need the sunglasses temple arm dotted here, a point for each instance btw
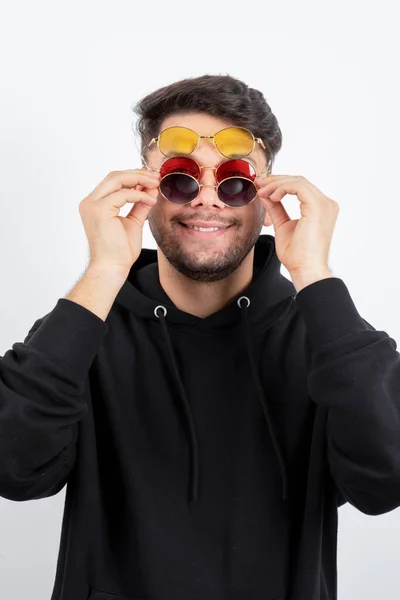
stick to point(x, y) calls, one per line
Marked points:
point(144, 163)
point(144, 148)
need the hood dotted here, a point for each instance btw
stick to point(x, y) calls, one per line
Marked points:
point(260, 302)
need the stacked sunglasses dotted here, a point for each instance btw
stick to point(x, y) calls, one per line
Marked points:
point(180, 174)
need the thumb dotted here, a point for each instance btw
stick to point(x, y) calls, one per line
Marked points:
point(276, 211)
point(139, 213)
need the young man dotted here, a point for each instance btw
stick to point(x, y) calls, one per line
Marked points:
point(208, 415)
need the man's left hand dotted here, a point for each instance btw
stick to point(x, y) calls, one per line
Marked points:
point(302, 245)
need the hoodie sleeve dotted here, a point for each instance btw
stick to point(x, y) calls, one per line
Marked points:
point(42, 399)
point(354, 373)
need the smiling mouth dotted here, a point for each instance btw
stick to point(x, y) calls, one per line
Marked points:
point(206, 229)
point(204, 233)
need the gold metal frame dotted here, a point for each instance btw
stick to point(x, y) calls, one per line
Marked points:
point(263, 174)
point(206, 137)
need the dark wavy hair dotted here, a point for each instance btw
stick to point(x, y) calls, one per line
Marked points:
point(221, 96)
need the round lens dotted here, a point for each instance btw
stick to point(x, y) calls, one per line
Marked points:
point(234, 142)
point(236, 168)
point(179, 183)
point(236, 191)
point(236, 179)
point(179, 188)
point(175, 141)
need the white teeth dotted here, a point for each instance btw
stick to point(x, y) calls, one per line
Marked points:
point(204, 228)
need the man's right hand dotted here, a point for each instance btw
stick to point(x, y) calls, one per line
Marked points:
point(115, 242)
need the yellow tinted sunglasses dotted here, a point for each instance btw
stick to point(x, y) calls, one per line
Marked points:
point(232, 142)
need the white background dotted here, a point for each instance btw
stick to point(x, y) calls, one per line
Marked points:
point(70, 73)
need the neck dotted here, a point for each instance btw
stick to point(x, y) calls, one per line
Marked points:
point(199, 298)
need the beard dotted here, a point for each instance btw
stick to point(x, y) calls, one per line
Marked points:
point(202, 261)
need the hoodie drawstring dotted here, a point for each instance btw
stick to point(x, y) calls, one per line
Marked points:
point(194, 455)
point(194, 477)
point(268, 419)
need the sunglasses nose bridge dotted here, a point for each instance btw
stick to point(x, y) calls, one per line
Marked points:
point(207, 198)
point(204, 168)
point(213, 169)
point(212, 139)
point(207, 185)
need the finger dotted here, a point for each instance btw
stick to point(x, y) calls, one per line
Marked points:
point(263, 181)
point(305, 193)
point(140, 187)
point(154, 175)
point(117, 180)
point(118, 199)
point(138, 213)
point(276, 211)
point(268, 187)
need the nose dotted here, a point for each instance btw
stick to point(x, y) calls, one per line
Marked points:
point(208, 195)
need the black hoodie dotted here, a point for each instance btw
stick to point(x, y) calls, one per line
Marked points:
point(205, 459)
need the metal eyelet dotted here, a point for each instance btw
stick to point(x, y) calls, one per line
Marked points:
point(160, 306)
point(246, 298)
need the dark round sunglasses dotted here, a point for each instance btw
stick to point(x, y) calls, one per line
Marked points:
point(235, 181)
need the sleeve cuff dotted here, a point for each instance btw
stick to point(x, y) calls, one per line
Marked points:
point(328, 310)
point(71, 336)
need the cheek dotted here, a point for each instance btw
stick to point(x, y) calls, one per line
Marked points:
point(260, 208)
point(155, 193)
point(160, 214)
point(251, 215)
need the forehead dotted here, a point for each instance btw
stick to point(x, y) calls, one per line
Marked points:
point(204, 124)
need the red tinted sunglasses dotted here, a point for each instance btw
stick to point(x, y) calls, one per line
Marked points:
point(235, 181)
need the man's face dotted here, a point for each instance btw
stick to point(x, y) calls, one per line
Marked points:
point(205, 257)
